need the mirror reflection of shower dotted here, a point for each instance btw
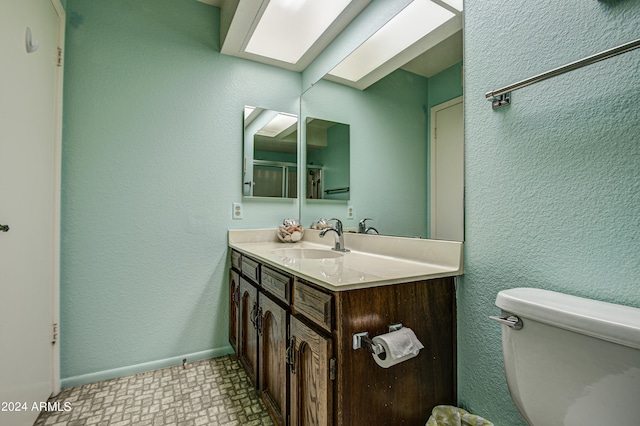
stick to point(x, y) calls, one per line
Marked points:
point(315, 182)
point(270, 167)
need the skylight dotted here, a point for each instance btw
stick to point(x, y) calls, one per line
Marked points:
point(292, 34)
point(409, 26)
point(296, 24)
point(277, 125)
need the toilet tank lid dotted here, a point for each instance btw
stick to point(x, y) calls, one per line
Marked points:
point(615, 323)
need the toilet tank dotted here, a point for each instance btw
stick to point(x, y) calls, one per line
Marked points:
point(574, 362)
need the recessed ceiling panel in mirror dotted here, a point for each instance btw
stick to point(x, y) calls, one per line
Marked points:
point(408, 27)
point(328, 159)
point(270, 166)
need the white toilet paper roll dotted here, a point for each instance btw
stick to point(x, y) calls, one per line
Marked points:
point(398, 346)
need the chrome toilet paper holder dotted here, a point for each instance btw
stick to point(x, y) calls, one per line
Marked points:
point(362, 340)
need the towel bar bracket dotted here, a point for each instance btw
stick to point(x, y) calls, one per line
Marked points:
point(500, 101)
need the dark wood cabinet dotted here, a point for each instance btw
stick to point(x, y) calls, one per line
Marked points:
point(234, 305)
point(248, 344)
point(310, 377)
point(295, 337)
point(258, 329)
point(234, 299)
point(403, 394)
point(273, 357)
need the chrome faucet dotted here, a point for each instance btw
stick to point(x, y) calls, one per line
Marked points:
point(339, 245)
point(362, 227)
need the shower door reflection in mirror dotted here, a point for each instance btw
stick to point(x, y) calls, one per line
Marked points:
point(270, 153)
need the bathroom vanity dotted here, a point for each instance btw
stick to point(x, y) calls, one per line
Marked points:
point(294, 312)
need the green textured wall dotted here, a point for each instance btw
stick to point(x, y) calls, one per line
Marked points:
point(152, 151)
point(552, 197)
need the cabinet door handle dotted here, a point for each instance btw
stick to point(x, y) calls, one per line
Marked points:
point(259, 322)
point(4, 228)
point(236, 296)
point(252, 315)
point(291, 354)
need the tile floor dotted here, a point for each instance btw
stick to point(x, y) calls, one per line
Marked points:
point(211, 392)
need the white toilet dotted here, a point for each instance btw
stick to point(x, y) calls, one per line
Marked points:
point(570, 361)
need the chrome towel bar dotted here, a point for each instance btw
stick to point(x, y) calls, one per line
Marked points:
point(502, 97)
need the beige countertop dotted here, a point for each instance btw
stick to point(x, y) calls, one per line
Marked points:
point(374, 260)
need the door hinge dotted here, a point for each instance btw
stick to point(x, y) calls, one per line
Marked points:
point(54, 333)
point(59, 57)
point(332, 369)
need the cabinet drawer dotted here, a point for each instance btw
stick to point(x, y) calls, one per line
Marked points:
point(236, 260)
point(250, 269)
point(313, 303)
point(275, 283)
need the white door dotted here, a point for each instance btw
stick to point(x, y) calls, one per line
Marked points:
point(447, 171)
point(29, 88)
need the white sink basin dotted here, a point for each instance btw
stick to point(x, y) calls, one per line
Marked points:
point(306, 253)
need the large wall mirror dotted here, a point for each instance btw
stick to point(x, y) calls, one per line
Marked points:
point(393, 155)
point(270, 165)
point(365, 147)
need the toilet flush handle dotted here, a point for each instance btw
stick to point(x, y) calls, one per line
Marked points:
point(510, 321)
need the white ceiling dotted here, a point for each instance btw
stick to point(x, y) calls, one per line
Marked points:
point(428, 56)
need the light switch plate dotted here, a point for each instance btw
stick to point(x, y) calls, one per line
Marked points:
point(237, 211)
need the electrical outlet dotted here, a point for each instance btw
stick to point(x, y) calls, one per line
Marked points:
point(350, 212)
point(237, 211)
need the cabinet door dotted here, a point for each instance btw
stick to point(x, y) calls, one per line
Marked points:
point(311, 398)
point(248, 353)
point(273, 357)
point(234, 308)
